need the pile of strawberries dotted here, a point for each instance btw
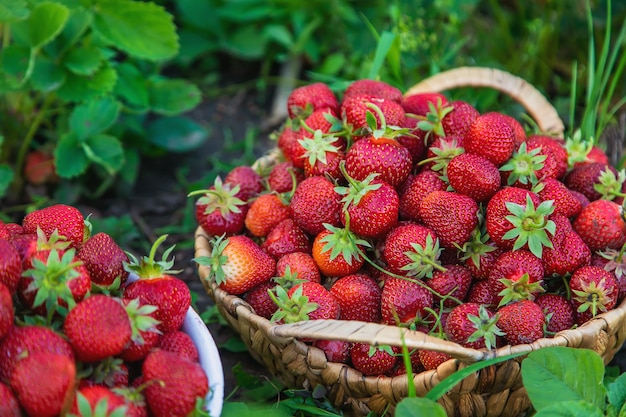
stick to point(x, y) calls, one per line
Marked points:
point(80, 335)
point(422, 212)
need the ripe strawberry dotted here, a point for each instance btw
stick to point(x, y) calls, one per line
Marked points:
point(13, 229)
point(97, 327)
point(6, 311)
point(595, 180)
point(4, 231)
point(145, 334)
point(265, 212)
point(260, 300)
point(359, 297)
point(592, 154)
point(601, 225)
point(568, 253)
point(418, 104)
point(479, 254)
point(337, 351)
point(404, 301)
point(594, 291)
point(43, 383)
point(39, 168)
point(314, 203)
point(431, 359)
point(457, 121)
point(173, 384)
point(284, 176)
point(157, 286)
point(337, 251)
point(98, 397)
point(490, 135)
point(516, 275)
point(373, 88)
point(527, 166)
point(565, 203)
point(411, 249)
point(104, 259)
point(454, 282)
point(518, 130)
point(249, 181)
point(474, 176)
point(25, 244)
point(305, 301)
point(322, 155)
point(370, 206)
point(373, 360)
point(559, 312)
point(180, 343)
point(220, 210)
point(440, 152)
point(67, 220)
point(414, 140)
point(9, 406)
point(287, 142)
point(286, 237)
point(472, 325)
point(10, 265)
point(480, 293)
point(303, 100)
point(414, 189)
point(300, 264)
point(238, 264)
point(22, 341)
point(452, 216)
point(522, 322)
point(551, 146)
point(355, 108)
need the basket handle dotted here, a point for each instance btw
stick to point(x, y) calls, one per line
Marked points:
point(534, 102)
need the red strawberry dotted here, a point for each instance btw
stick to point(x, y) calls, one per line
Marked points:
point(300, 264)
point(354, 110)
point(4, 231)
point(601, 225)
point(249, 181)
point(305, 301)
point(372, 360)
point(440, 152)
point(479, 254)
point(431, 359)
point(559, 312)
point(6, 311)
point(595, 180)
point(414, 140)
point(474, 176)
point(411, 249)
point(145, 335)
point(9, 406)
point(490, 135)
point(373, 88)
point(157, 286)
point(404, 301)
point(452, 216)
point(551, 146)
point(10, 265)
point(180, 343)
point(220, 210)
point(94, 397)
point(522, 322)
point(414, 189)
point(173, 384)
point(39, 168)
point(518, 129)
point(67, 220)
point(14, 229)
point(594, 291)
point(314, 203)
point(336, 251)
point(337, 351)
point(265, 212)
point(480, 292)
point(260, 300)
point(97, 327)
point(565, 203)
point(418, 104)
point(283, 177)
point(25, 244)
point(43, 383)
point(528, 165)
point(238, 264)
point(286, 237)
point(457, 121)
point(359, 297)
point(288, 143)
point(27, 340)
point(305, 99)
point(594, 154)
point(472, 325)
point(516, 275)
point(568, 253)
point(454, 281)
point(104, 259)
point(322, 156)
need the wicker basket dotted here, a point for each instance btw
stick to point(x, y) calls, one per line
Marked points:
point(494, 391)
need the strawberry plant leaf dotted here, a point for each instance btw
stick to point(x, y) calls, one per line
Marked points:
point(69, 158)
point(547, 375)
point(76, 25)
point(6, 178)
point(131, 87)
point(94, 116)
point(418, 406)
point(616, 392)
point(80, 88)
point(84, 60)
point(45, 22)
point(47, 76)
point(571, 409)
point(15, 59)
point(176, 134)
point(105, 150)
point(141, 29)
point(13, 10)
point(172, 97)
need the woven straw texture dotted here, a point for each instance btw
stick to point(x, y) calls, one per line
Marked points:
point(494, 391)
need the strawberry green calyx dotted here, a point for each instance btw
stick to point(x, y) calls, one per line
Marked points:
point(577, 148)
point(315, 148)
point(524, 165)
point(291, 309)
point(106, 371)
point(486, 327)
point(424, 259)
point(222, 197)
point(148, 267)
point(519, 289)
point(344, 242)
point(444, 153)
point(431, 123)
point(99, 410)
point(355, 190)
point(530, 225)
point(593, 297)
point(216, 260)
point(610, 185)
point(141, 319)
point(616, 261)
point(476, 246)
point(55, 241)
point(383, 131)
point(289, 279)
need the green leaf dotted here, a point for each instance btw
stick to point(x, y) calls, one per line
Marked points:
point(6, 178)
point(45, 22)
point(246, 43)
point(570, 409)
point(94, 116)
point(417, 406)
point(199, 14)
point(617, 392)
point(105, 150)
point(172, 97)
point(176, 134)
point(193, 45)
point(47, 76)
point(15, 60)
point(130, 170)
point(142, 29)
point(83, 60)
point(131, 87)
point(81, 88)
point(234, 344)
point(385, 43)
point(13, 10)
point(69, 158)
point(279, 34)
point(76, 25)
point(555, 373)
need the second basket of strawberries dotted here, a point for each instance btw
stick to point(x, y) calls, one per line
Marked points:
point(382, 219)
